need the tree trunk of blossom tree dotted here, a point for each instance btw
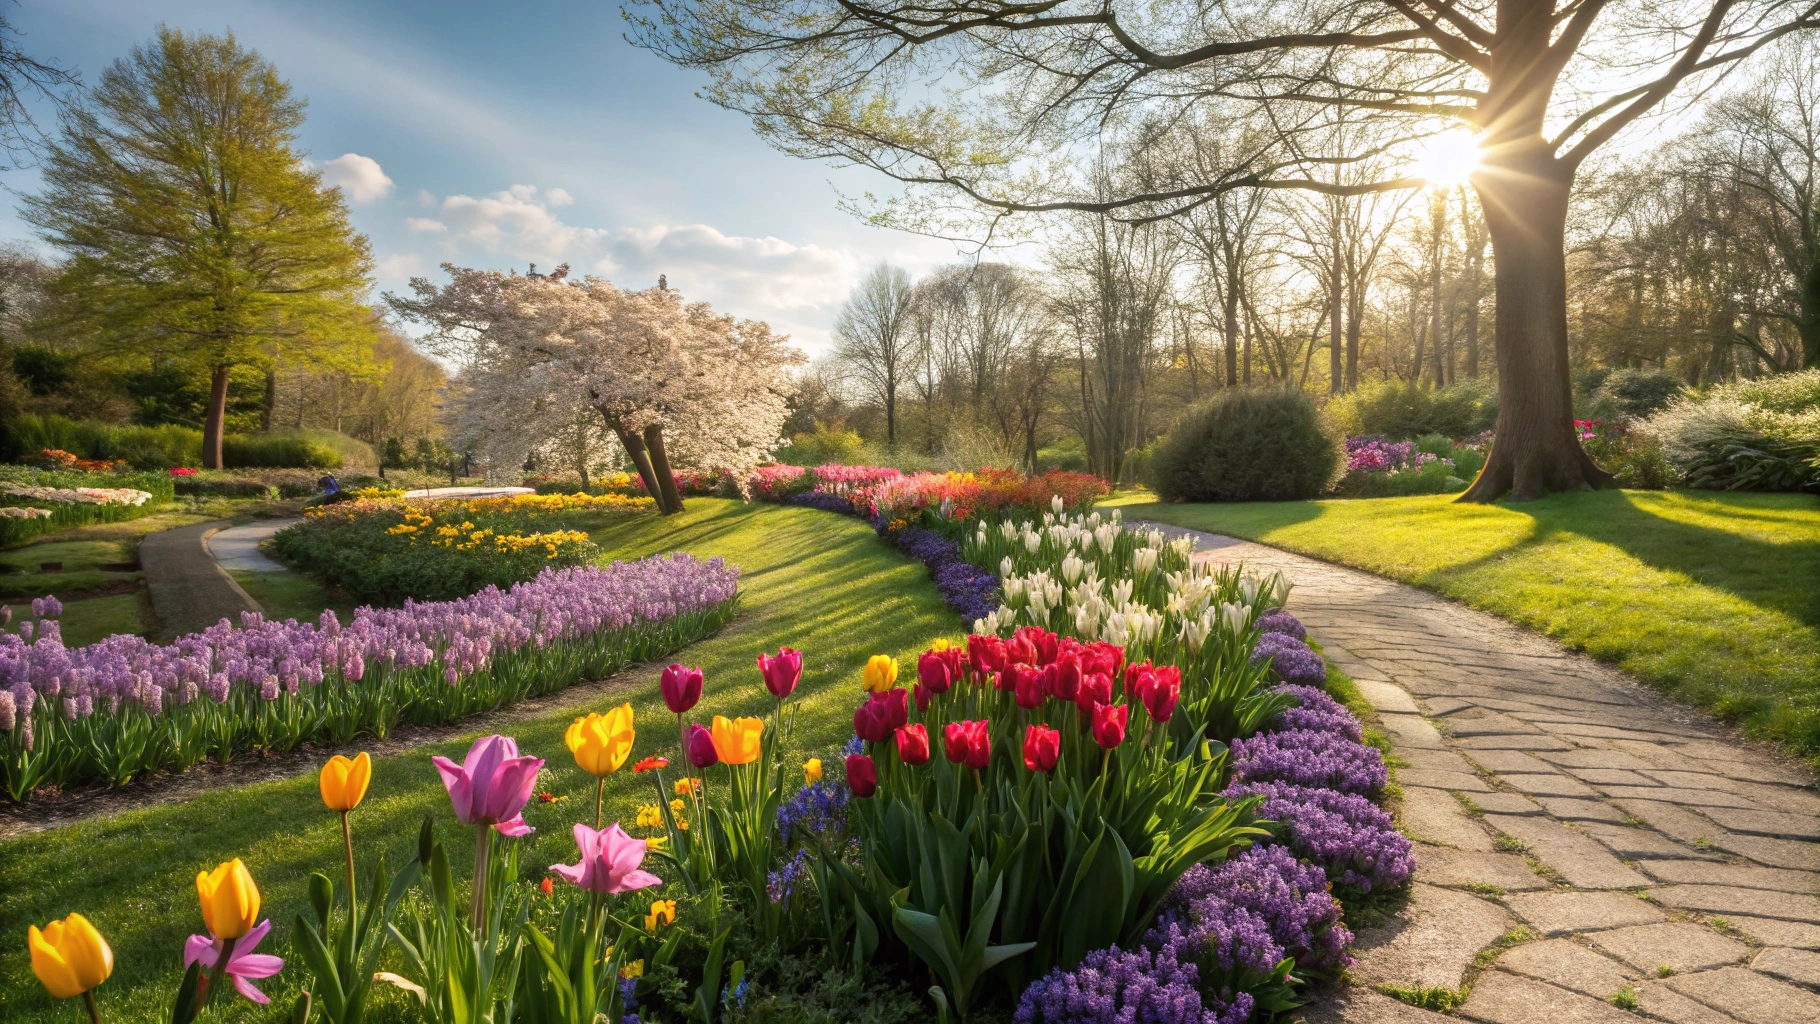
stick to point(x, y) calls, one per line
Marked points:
point(641, 461)
point(214, 424)
point(660, 464)
point(1535, 450)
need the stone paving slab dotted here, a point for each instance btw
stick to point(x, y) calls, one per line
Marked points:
point(1657, 836)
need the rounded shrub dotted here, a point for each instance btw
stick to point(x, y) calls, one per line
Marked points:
point(1247, 446)
point(1631, 394)
point(1401, 410)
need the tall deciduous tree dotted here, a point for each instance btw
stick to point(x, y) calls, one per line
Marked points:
point(193, 226)
point(1542, 83)
point(873, 338)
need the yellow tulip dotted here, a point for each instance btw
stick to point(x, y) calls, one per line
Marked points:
point(812, 771)
point(344, 782)
point(942, 643)
point(635, 969)
point(71, 957)
point(737, 742)
point(601, 743)
point(684, 787)
point(230, 900)
point(881, 673)
point(662, 912)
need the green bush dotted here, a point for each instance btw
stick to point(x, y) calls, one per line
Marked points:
point(823, 445)
point(211, 486)
point(1629, 394)
point(161, 447)
point(282, 451)
point(1247, 446)
point(1761, 435)
point(1400, 410)
point(1433, 478)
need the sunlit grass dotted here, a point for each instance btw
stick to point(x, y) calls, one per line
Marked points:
point(1715, 597)
point(817, 582)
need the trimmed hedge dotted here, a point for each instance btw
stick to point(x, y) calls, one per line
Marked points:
point(169, 446)
point(1247, 446)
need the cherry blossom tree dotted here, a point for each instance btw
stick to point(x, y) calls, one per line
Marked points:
point(676, 383)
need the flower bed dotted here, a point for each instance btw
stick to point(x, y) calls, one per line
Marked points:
point(125, 706)
point(388, 548)
point(1377, 468)
point(34, 502)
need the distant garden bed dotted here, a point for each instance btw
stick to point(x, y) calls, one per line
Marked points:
point(35, 502)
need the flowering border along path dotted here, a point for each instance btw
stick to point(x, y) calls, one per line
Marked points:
point(1588, 851)
point(1237, 941)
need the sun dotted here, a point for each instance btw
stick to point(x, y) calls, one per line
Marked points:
point(1448, 159)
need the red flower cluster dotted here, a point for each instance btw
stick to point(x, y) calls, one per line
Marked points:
point(1024, 677)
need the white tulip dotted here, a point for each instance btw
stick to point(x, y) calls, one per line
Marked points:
point(1056, 503)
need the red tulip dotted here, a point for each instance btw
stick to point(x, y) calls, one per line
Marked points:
point(700, 748)
point(934, 671)
point(923, 696)
point(1158, 691)
point(862, 775)
point(968, 743)
point(1042, 748)
point(870, 722)
point(895, 706)
point(1096, 689)
point(1101, 656)
point(1020, 651)
point(1067, 682)
point(1044, 645)
point(986, 654)
point(682, 688)
point(1109, 724)
point(913, 744)
point(1028, 683)
point(782, 671)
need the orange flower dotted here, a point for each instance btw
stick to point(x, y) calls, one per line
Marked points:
point(737, 741)
point(650, 763)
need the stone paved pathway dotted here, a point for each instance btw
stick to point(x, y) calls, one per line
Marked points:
point(237, 547)
point(1584, 844)
point(189, 590)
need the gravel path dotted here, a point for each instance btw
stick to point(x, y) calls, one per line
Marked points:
point(1661, 866)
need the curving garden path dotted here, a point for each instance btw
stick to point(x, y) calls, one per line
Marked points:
point(1588, 851)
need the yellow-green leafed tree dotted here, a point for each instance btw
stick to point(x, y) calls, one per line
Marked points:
point(194, 229)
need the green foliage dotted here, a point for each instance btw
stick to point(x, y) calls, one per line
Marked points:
point(216, 244)
point(1247, 446)
point(1761, 435)
point(1631, 394)
point(42, 370)
point(161, 447)
point(823, 445)
point(1401, 410)
point(1433, 478)
point(283, 451)
point(219, 485)
point(65, 516)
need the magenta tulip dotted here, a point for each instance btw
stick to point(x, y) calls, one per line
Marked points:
point(609, 861)
point(700, 748)
point(681, 687)
point(862, 775)
point(492, 785)
point(243, 964)
point(781, 671)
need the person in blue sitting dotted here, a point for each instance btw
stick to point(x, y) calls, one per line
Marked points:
point(331, 492)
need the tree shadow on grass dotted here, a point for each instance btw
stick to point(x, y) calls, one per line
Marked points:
point(1779, 576)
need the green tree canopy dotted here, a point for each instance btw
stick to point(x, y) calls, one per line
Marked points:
point(195, 230)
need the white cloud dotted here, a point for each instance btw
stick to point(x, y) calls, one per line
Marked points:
point(400, 265)
point(558, 197)
point(425, 198)
point(360, 177)
point(425, 224)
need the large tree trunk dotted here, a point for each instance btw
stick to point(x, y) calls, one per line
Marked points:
point(215, 421)
point(660, 464)
point(1535, 451)
point(641, 461)
point(1809, 324)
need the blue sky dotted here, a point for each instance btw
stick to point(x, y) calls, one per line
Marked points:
point(496, 135)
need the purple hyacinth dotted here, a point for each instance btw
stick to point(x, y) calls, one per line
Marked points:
point(1351, 838)
point(1281, 621)
point(1304, 757)
point(1290, 659)
point(822, 500)
point(1317, 712)
point(819, 809)
point(1112, 986)
point(1291, 897)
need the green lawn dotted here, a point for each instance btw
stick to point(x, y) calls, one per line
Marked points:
point(1714, 597)
point(818, 582)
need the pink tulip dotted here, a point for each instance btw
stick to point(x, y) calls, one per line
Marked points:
point(492, 785)
point(681, 687)
point(609, 862)
point(781, 671)
point(242, 964)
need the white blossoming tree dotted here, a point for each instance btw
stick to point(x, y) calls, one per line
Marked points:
point(675, 383)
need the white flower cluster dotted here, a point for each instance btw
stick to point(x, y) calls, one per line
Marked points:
point(24, 512)
point(1097, 579)
point(78, 495)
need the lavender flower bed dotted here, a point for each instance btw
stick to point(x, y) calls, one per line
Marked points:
point(822, 500)
point(1235, 940)
point(1307, 757)
point(125, 706)
point(1291, 660)
point(966, 587)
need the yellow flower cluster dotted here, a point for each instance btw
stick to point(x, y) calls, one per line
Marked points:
point(547, 504)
